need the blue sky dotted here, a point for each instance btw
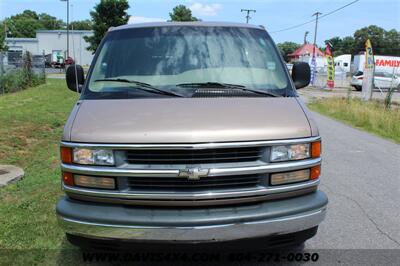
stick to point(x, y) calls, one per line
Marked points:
point(273, 14)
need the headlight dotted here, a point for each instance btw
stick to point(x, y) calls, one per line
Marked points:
point(95, 157)
point(290, 152)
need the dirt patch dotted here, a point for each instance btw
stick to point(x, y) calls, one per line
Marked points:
point(20, 139)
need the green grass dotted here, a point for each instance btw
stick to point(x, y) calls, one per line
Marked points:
point(368, 116)
point(31, 124)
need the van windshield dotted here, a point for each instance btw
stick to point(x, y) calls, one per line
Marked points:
point(141, 62)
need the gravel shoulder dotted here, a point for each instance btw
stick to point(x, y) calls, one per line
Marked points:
point(313, 92)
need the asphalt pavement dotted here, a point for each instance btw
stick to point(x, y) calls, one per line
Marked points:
point(361, 176)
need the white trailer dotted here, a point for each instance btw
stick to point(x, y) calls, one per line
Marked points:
point(343, 63)
point(383, 64)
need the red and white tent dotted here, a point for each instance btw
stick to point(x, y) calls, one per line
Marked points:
point(305, 50)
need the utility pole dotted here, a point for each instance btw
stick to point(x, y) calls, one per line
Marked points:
point(313, 62)
point(316, 14)
point(67, 26)
point(248, 13)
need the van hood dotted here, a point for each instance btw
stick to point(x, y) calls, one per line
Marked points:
point(187, 120)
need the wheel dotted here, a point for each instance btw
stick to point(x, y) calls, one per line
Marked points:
point(358, 88)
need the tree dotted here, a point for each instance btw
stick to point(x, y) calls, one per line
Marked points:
point(25, 24)
point(336, 44)
point(106, 14)
point(2, 36)
point(49, 22)
point(342, 46)
point(375, 34)
point(287, 48)
point(81, 25)
point(182, 13)
point(392, 42)
point(348, 45)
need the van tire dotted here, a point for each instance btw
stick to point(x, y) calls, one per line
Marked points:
point(358, 88)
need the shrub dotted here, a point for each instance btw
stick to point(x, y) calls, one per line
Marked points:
point(22, 78)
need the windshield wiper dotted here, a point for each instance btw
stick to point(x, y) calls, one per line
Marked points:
point(263, 92)
point(227, 86)
point(211, 85)
point(142, 86)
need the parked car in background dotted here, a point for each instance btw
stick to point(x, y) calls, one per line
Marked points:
point(69, 61)
point(382, 80)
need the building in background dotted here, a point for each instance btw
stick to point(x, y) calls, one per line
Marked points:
point(54, 42)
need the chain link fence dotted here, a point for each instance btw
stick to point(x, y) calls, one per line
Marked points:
point(342, 80)
point(20, 70)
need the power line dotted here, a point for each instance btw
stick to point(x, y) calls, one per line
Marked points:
point(313, 20)
point(293, 27)
point(340, 8)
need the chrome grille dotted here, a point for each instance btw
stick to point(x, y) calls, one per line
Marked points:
point(165, 174)
point(202, 156)
point(179, 183)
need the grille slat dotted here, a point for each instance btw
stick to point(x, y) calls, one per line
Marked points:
point(241, 154)
point(204, 179)
point(183, 183)
point(185, 153)
point(193, 185)
point(192, 159)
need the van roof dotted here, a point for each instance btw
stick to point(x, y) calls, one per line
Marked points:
point(196, 23)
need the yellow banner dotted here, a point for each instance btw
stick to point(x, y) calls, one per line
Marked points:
point(369, 55)
point(330, 69)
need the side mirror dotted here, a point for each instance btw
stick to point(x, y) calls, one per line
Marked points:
point(301, 74)
point(75, 78)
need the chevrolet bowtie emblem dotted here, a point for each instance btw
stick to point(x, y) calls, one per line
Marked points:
point(193, 173)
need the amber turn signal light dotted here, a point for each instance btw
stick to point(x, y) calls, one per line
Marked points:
point(68, 178)
point(316, 149)
point(66, 155)
point(315, 172)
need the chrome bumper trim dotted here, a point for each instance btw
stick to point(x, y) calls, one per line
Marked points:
point(223, 232)
point(158, 195)
point(190, 203)
point(122, 171)
point(190, 146)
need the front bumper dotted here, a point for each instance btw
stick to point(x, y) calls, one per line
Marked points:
point(119, 222)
